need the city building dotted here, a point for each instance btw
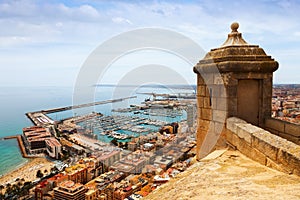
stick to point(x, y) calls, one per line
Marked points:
point(34, 138)
point(77, 173)
point(53, 147)
point(69, 190)
point(47, 185)
point(107, 157)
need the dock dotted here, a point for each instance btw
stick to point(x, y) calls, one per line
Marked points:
point(54, 110)
point(21, 145)
point(40, 118)
point(10, 137)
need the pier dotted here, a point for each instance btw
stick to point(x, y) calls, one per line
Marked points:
point(10, 137)
point(21, 145)
point(54, 110)
point(39, 118)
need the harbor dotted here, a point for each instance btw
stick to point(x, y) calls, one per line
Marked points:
point(125, 124)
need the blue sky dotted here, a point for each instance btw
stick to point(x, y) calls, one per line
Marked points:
point(46, 42)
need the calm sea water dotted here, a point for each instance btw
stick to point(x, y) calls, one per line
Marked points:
point(16, 101)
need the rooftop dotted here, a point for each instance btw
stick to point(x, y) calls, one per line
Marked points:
point(230, 176)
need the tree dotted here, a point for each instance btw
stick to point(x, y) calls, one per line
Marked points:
point(2, 187)
point(39, 174)
point(8, 188)
point(114, 142)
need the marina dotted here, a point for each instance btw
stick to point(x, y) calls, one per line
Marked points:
point(119, 127)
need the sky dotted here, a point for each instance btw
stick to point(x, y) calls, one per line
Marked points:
point(45, 43)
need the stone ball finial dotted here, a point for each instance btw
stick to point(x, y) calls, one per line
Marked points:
point(234, 26)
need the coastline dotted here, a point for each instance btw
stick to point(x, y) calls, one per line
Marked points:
point(27, 170)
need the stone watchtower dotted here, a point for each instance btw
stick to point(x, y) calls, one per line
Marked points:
point(233, 80)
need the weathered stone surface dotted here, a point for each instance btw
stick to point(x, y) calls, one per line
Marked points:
point(235, 140)
point(290, 160)
point(229, 136)
point(223, 91)
point(232, 106)
point(292, 129)
point(201, 90)
point(275, 124)
point(232, 122)
point(221, 103)
point(218, 80)
point(245, 131)
point(207, 102)
point(231, 91)
point(219, 116)
point(267, 143)
point(250, 152)
point(200, 101)
point(242, 132)
point(200, 80)
point(219, 127)
point(289, 137)
point(203, 124)
point(279, 167)
point(296, 171)
point(206, 113)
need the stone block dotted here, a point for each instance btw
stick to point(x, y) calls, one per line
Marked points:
point(223, 91)
point(231, 91)
point(232, 122)
point(290, 158)
point(235, 140)
point(296, 172)
point(207, 102)
point(218, 79)
point(275, 124)
point(208, 78)
point(250, 152)
point(221, 103)
point(267, 143)
point(229, 137)
point(243, 132)
point(232, 106)
point(289, 137)
point(219, 116)
point(203, 124)
point(200, 80)
point(292, 129)
point(200, 101)
point(201, 90)
point(219, 127)
point(215, 89)
point(206, 114)
point(279, 167)
point(214, 103)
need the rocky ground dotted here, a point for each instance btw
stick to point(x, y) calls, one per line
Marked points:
point(230, 176)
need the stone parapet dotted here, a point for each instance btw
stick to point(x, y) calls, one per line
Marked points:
point(262, 146)
point(283, 129)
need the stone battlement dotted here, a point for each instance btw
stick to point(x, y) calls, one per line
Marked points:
point(283, 129)
point(262, 146)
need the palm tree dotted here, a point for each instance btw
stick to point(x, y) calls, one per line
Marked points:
point(8, 188)
point(1, 188)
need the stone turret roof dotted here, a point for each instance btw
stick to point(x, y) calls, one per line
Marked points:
point(236, 55)
point(234, 38)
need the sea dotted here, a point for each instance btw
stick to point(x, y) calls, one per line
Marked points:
point(16, 101)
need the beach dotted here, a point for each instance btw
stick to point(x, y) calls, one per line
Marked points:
point(28, 171)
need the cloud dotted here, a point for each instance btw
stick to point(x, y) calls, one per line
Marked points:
point(121, 20)
point(63, 26)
